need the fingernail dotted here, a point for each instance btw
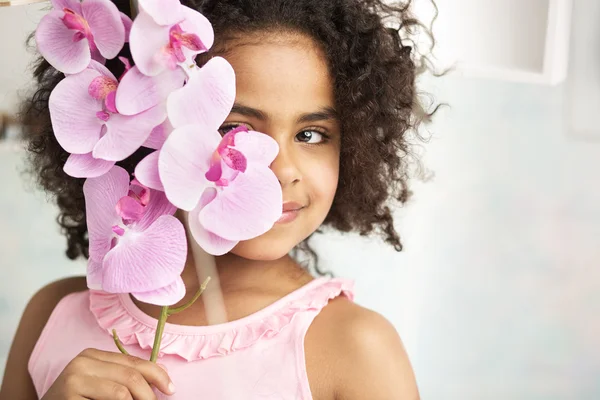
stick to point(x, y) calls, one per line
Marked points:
point(171, 387)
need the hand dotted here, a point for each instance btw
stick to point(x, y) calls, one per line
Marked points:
point(102, 375)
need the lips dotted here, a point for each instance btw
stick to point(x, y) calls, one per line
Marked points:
point(290, 212)
point(292, 206)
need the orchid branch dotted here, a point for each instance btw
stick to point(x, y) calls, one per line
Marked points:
point(118, 343)
point(165, 312)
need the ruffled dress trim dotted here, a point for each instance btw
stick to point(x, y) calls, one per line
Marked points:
point(119, 312)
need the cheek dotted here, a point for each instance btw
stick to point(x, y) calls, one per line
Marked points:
point(324, 180)
point(327, 184)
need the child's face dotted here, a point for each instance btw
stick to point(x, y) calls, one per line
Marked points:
point(285, 91)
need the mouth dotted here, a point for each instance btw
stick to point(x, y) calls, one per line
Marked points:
point(290, 212)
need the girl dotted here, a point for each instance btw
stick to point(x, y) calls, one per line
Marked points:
point(336, 89)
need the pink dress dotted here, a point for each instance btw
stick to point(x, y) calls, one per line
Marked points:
point(260, 356)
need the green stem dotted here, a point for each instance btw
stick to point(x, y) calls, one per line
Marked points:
point(165, 312)
point(159, 331)
point(118, 343)
point(176, 310)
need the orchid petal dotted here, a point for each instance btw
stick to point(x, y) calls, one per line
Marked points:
point(86, 166)
point(74, 5)
point(247, 208)
point(165, 296)
point(101, 68)
point(101, 86)
point(163, 12)
point(73, 113)
point(148, 260)
point(197, 24)
point(129, 209)
point(207, 98)
point(146, 41)
point(101, 196)
point(257, 147)
point(126, 134)
point(184, 160)
point(94, 274)
point(147, 172)
point(157, 207)
point(138, 92)
point(210, 242)
point(126, 24)
point(106, 26)
point(55, 43)
point(159, 134)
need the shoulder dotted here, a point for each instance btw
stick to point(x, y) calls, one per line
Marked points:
point(368, 357)
point(35, 316)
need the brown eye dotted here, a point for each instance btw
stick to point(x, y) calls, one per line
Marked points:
point(310, 137)
point(231, 126)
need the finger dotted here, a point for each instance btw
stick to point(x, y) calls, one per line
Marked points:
point(93, 387)
point(130, 378)
point(151, 372)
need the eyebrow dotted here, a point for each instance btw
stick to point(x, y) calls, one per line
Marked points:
point(323, 114)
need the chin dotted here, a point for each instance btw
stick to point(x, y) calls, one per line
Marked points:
point(268, 247)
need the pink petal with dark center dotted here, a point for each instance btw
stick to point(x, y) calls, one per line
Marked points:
point(197, 24)
point(234, 159)
point(148, 261)
point(247, 208)
point(73, 113)
point(55, 42)
point(157, 207)
point(165, 296)
point(86, 166)
point(207, 98)
point(106, 25)
point(126, 134)
point(101, 196)
point(184, 160)
point(129, 209)
point(209, 242)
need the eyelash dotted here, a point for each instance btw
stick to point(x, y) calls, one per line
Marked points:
point(227, 127)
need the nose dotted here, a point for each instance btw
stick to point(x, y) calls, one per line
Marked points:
point(285, 168)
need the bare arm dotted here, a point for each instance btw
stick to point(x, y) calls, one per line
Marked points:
point(17, 383)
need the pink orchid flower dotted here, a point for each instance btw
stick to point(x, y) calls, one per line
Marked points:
point(225, 183)
point(137, 246)
point(87, 123)
point(164, 41)
point(205, 100)
point(75, 32)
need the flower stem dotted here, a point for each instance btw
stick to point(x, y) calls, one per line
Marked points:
point(159, 331)
point(176, 310)
point(118, 343)
point(165, 312)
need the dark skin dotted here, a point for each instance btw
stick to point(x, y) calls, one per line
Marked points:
point(351, 352)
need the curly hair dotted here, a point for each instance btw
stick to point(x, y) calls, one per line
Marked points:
point(379, 106)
